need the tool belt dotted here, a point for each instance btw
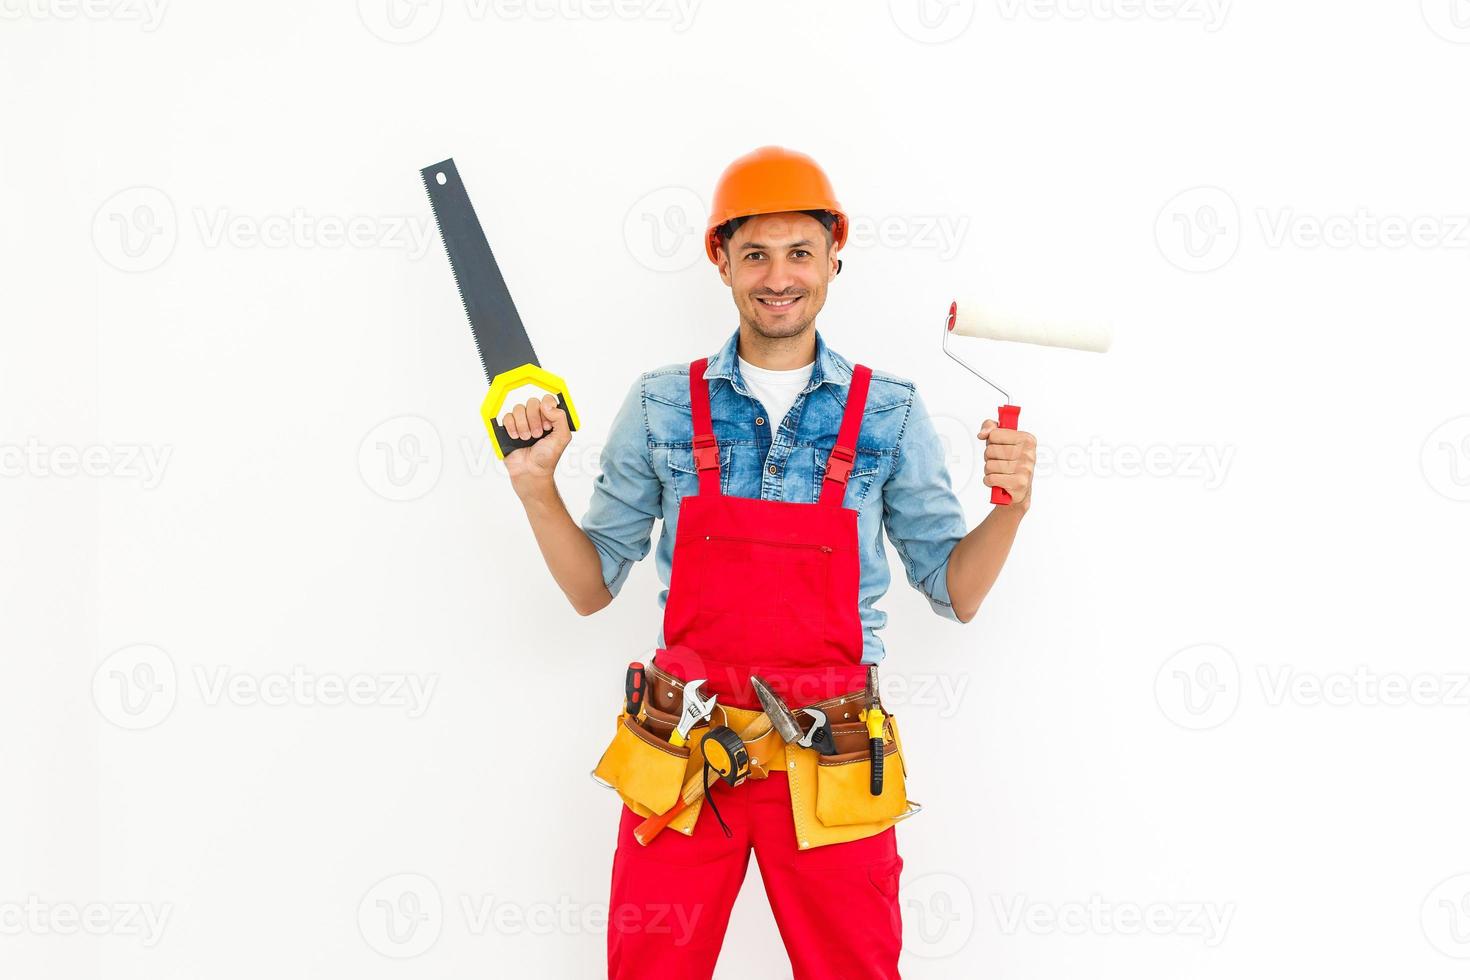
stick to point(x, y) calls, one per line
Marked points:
point(831, 798)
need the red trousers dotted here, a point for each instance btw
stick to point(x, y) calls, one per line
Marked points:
point(836, 906)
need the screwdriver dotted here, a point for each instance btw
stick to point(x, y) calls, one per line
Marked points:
point(633, 689)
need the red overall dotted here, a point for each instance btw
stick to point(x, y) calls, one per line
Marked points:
point(770, 588)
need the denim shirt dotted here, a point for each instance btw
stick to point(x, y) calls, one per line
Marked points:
point(899, 480)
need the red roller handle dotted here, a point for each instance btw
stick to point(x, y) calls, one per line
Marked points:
point(1009, 416)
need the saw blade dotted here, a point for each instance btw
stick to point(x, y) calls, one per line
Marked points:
point(500, 337)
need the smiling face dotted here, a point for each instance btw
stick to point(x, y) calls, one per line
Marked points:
point(778, 266)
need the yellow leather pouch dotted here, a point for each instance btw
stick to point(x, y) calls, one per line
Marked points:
point(844, 792)
point(643, 768)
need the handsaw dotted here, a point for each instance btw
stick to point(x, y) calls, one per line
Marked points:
point(500, 337)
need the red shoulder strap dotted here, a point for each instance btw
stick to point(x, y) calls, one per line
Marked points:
point(839, 462)
point(706, 450)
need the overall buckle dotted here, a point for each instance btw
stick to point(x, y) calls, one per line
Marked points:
point(706, 452)
point(839, 464)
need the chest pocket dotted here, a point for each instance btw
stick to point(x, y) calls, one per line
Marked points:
point(683, 478)
point(864, 474)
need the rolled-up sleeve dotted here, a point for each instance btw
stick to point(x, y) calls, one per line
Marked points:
point(625, 495)
point(921, 513)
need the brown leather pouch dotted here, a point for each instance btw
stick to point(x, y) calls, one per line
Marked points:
point(660, 723)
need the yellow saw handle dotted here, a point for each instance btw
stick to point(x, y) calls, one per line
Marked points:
point(507, 381)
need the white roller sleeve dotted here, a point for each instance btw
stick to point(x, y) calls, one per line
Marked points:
point(974, 319)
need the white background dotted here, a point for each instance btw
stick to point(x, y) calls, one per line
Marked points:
point(1220, 687)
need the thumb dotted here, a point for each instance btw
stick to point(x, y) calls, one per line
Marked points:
point(555, 415)
point(986, 426)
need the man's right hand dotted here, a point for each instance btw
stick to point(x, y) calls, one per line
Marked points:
point(532, 468)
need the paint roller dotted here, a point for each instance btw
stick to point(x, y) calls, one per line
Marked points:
point(972, 319)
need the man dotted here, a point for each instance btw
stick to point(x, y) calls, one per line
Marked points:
point(775, 465)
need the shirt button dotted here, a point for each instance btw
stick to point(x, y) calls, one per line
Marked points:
point(771, 469)
point(759, 420)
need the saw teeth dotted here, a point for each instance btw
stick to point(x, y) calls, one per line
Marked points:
point(434, 209)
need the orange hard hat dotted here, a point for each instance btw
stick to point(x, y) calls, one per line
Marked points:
point(769, 180)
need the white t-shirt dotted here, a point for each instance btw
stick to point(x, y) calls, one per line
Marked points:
point(776, 390)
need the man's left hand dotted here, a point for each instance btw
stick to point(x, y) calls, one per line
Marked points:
point(1010, 461)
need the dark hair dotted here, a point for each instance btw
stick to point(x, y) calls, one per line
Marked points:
point(727, 230)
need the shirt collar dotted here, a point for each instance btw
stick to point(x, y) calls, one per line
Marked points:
point(830, 367)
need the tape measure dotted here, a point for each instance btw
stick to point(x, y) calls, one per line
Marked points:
point(725, 753)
